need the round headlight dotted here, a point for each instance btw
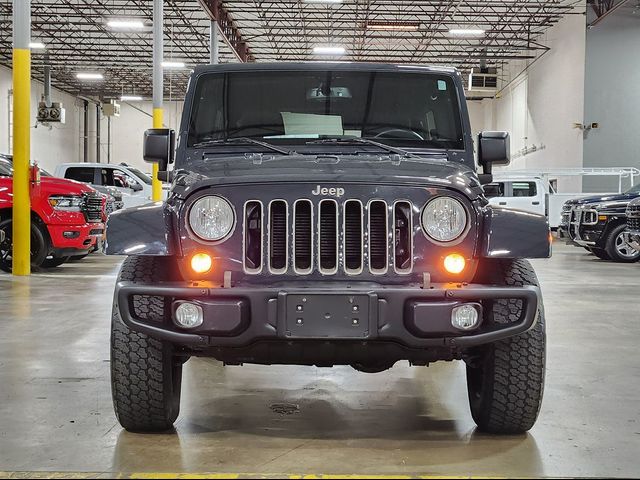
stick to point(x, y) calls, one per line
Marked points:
point(211, 218)
point(444, 219)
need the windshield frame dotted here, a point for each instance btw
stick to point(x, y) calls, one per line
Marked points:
point(185, 155)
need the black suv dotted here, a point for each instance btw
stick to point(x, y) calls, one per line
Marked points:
point(327, 214)
point(597, 223)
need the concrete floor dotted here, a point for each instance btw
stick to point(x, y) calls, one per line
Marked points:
point(56, 413)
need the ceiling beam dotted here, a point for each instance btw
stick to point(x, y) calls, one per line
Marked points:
point(228, 29)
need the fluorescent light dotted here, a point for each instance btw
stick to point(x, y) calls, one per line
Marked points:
point(37, 46)
point(167, 64)
point(126, 24)
point(467, 32)
point(89, 76)
point(329, 50)
point(130, 98)
point(393, 26)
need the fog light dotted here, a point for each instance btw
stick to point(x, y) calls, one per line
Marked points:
point(464, 317)
point(201, 263)
point(454, 263)
point(189, 315)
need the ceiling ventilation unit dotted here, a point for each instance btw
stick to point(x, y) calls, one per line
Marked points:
point(483, 82)
point(111, 109)
point(48, 111)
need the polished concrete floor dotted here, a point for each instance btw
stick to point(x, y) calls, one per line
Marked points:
point(56, 414)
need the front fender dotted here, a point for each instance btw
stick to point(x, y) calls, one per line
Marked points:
point(515, 234)
point(141, 230)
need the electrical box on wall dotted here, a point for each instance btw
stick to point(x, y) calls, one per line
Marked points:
point(53, 114)
point(111, 109)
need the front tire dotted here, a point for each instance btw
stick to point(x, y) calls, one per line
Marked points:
point(505, 379)
point(146, 374)
point(599, 252)
point(618, 249)
point(39, 245)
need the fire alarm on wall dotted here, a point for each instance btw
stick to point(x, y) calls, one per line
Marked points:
point(595, 125)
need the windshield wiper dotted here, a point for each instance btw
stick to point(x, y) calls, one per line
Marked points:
point(366, 141)
point(241, 140)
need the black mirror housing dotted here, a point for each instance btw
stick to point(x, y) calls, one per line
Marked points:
point(159, 147)
point(493, 149)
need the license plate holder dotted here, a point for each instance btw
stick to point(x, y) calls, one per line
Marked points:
point(327, 315)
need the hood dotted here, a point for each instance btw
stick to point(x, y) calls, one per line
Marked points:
point(64, 186)
point(607, 197)
point(383, 169)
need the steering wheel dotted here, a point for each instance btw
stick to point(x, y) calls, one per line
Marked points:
point(404, 133)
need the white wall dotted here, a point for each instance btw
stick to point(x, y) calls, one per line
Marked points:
point(127, 131)
point(539, 105)
point(49, 146)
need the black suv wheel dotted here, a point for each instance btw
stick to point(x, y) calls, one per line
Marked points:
point(618, 249)
point(505, 379)
point(146, 374)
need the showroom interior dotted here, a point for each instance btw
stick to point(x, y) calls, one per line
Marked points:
point(174, 273)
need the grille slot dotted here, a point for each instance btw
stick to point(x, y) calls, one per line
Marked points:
point(378, 237)
point(253, 236)
point(92, 208)
point(402, 238)
point(328, 237)
point(303, 236)
point(353, 235)
point(278, 251)
point(633, 224)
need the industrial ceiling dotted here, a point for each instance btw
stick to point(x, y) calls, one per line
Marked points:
point(78, 39)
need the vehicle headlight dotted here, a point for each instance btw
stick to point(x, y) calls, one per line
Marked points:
point(444, 219)
point(211, 218)
point(67, 203)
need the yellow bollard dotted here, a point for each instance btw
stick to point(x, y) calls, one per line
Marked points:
point(21, 160)
point(156, 185)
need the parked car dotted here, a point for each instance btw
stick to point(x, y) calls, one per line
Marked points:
point(134, 185)
point(632, 233)
point(67, 218)
point(327, 214)
point(598, 224)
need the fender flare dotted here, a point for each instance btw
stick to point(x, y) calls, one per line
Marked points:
point(142, 230)
point(514, 234)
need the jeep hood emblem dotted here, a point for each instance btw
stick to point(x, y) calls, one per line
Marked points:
point(326, 191)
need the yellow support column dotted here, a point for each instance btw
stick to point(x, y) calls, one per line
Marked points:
point(156, 185)
point(21, 234)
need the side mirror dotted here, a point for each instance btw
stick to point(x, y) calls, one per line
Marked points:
point(159, 147)
point(493, 149)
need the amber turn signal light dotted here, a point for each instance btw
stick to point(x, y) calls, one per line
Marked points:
point(454, 263)
point(201, 263)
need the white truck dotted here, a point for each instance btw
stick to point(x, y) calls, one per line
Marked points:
point(134, 185)
point(536, 191)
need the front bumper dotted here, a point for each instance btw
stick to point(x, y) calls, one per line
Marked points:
point(633, 239)
point(581, 227)
point(81, 237)
point(411, 316)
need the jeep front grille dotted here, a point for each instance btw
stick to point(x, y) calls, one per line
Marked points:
point(328, 236)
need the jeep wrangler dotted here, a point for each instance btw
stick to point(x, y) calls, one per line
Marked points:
point(327, 214)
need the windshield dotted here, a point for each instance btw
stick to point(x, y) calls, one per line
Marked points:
point(290, 107)
point(5, 168)
point(634, 189)
point(142, 176)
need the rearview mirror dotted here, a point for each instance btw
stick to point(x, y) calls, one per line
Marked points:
point(159, 146)
point(493, 149)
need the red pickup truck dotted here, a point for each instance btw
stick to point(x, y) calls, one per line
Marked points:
point(67, 218)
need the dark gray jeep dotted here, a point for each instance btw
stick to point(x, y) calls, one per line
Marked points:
point(327, 214)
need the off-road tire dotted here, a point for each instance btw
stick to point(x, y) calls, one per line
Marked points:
point(612, 251)
point(599, 252)
point(505, 379)
point(146, 374)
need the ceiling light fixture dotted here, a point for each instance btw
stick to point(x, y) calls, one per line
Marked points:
point(37, 46)
point(89, 76)
point(130, 98)
point(329, 51)
point(126, 24)
point(393, 26)
point(466, 32)
point(171, 64)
